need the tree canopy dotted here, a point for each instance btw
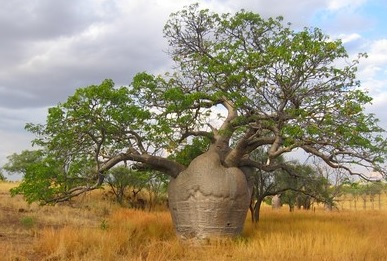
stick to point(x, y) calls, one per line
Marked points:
point(240, 83)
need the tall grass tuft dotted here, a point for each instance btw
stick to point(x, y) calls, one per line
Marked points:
point(126, 233)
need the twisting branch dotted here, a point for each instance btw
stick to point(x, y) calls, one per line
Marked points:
point(164, 165)
point(333, 163)
point(206, 134)
point(138, 139)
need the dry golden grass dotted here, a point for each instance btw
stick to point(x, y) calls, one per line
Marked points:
point(100, 230)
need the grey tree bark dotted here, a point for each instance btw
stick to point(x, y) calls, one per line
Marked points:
point(276, 202)
point(208, 199)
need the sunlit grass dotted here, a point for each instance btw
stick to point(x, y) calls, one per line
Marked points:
point(319, 236)
point(124, 234)
point(98, 230)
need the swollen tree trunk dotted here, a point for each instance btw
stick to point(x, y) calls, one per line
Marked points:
point(208, 199)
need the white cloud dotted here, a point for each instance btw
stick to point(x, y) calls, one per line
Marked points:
point(373, 75)
point(346, 38)
point(347, 4)
point(377, 54)
point(373, 70)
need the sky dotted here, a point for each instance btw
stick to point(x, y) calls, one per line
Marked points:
point(49, 48)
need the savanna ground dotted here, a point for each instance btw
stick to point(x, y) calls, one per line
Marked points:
point(93, 229)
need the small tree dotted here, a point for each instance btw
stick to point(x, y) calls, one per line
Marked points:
point(366, 191)
point(123, 178)
point(119, 180)
point(353, 188)
point(296, 184)
point(376, 189)
point(333, 188)
point(157, 186)
point(303, 187)
point(18, 163)
point(2, 176)
point(47, 174)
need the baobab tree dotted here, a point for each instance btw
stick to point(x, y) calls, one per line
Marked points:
point(274, 88)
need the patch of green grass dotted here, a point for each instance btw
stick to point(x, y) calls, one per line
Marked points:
point(104, 224)
point(28, 222)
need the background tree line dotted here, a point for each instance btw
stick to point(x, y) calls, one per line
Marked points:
point(299, 187)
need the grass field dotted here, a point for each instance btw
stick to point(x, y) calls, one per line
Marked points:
point(94, 229)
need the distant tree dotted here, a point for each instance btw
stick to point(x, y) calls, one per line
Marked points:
point(40, 181)
point(119, 181)
point(333, 189)
point(303, 185)
point(265, 184)
point(157, 187)
point(353, 189)
point(2, 176)
point(18, 163)
point(126, 183)
point(47, 174)
point(375, 190)
point(366, 191)
point(297, 184)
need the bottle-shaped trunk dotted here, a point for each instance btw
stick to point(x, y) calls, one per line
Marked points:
point(208, 199)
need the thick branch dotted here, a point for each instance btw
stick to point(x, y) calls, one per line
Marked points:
point(206, 134)
point(234, 156)
point(222, 136)
point(269, 167)
point(231, 115)
point(164, 165)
